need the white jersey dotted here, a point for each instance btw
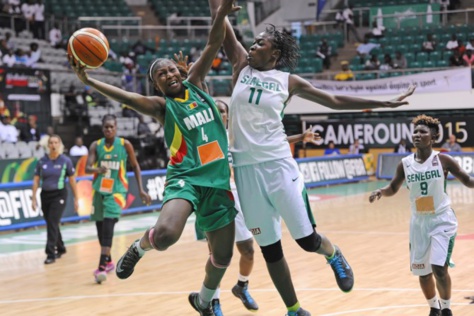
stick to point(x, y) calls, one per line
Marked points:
point(427, 184)
point(255, 119)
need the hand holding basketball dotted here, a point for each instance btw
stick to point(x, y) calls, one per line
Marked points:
point(89, 47)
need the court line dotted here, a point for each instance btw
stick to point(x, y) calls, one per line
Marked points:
point(371, 309)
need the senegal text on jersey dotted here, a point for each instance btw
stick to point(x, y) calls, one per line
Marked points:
point(113, 165)
point(198, 119)
point(423, 176)
point(254, 81)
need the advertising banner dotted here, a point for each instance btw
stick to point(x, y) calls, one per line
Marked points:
point(434, 81)
point(405, 15)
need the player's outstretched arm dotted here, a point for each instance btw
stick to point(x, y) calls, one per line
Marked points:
point(307, 137)
point(451, 165)
point(305, 90)
point(392, 188)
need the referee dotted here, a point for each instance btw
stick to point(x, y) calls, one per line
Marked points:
point(52, 170)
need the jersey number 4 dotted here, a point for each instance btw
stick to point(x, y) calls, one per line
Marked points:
point(252, 93)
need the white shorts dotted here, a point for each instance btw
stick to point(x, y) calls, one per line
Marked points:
point(270, 191)
point(242, 233)
point(431, 241)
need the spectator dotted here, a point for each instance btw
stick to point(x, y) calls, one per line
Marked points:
point(339, 18)
point(140, 49)
point(376, 31)
point(373, 63)
point(4, 111)
point(15, 7)
point(21, 59)
point(43, 142)
point(387, 63)
point(89, 97)
point(331, 150)
point(28, 11)
point(9, 132)
point(55, 36)
point(461, 47)
point(38, 29)
point(402, 147)
point(30, 131)
point(453, 43)
point(345, 74)
point(9, 59)
point(366, 47)
point(468, 58)
point(217, 62)
point(34, 55)
point(130, 80)
point(451, 144)
point(78, 150)
point(456, 59)
point(356, 148)
point(324, 52)
point(10, 44)
point(429, 45)
point(348, 15)
point(470, 44)
point(399, 62)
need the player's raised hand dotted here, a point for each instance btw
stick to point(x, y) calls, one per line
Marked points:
point(228, 7)
point(311, 137)
point(377, 194)
point(79, 69)
point(398, 101)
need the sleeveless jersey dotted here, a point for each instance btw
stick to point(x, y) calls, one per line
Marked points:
point(197, 139)
point(427, 185)
point(255, 117)
point(115, 160)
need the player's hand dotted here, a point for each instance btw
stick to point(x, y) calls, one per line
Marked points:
point(78, 69)
point(311, 137)
point(398, 101)
point(377, 194)
point(146, 199)
point(102, 170)
point(228, 6)
point(181, 60)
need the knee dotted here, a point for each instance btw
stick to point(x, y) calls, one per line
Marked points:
point(221, 257)
point(272, 253)
point(310, 243)
point(439, 272)
point(246, 249)
point(163, 237)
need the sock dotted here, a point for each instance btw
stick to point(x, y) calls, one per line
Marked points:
point(141, 251)
point(102, 262)
point(294, 308)
point(205, 296)
point(333, 253)
point(242, 280)
point(434, 302)
point(445, 303)
point(217, 294)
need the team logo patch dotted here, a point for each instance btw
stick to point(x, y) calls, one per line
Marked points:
point(193, 105)
point(108, 156)
point(255, 231)
point(418, 266)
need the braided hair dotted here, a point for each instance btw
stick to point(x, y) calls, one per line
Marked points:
point(431, 122)
point(289, 49)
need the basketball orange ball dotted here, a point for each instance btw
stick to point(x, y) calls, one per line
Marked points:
point(89, 47)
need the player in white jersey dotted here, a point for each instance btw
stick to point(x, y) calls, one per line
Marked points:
point(265, 172)
point(433, 224)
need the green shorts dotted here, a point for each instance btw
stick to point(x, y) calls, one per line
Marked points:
point(107, 205)
point(214, 208)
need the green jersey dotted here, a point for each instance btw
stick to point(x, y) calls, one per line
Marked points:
point(197, 139)
point(114, 158)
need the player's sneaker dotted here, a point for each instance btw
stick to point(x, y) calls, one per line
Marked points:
point(446, 312)
point(216, 307)
point(126, 264)
point(435, 312)
point(109, 267)
point(299, 312)
point(242, 292)
point(100, 276)
point(342, 271)
point(194, 301)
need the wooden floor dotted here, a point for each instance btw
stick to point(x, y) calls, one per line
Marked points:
point(373, 237)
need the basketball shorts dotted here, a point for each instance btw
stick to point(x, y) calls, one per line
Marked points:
point(214, 208)
point(431, 241)
point(107, 205)
point(270, 191)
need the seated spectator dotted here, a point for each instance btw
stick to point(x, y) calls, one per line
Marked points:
point(356, 148)
point(373, 63)
point(470, 44)
point(55, 36)
point(402, 147)
point(324, 52)
point(34, 55)
point(451, 144)
point(9, 132)
point(30, 131)
point(21, 59)
point(453, 43)
point(43, 142)
point(456, 59)
point(387, 63)
point(140, 49)
point(345, 74)
point(9, 59)
point(461, 47)
point(78, 149)
point(331, 150)
point(429, 45)
point(468, 58)
point(399, 62)
point(365, 48)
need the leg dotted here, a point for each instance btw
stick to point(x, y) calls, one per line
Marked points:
point(240, 290)
point(443, 284)
point(246, 251)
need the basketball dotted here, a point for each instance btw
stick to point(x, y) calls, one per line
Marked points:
point(89, 47)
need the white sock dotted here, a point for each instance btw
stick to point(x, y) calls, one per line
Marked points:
point(445, 303)
point(243, 278)
point(434, 302)
point(141, 251)
point(217, 294)
point(205, 296)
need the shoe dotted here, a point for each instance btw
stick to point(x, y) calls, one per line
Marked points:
point(216, 307)
point(194, 301)
point(109, 267)
point(342, 271)
point(244, 295)
point(299, 312)
point(446, 312)
point(100, 276)
point(49, 260)
point(126, 264)
point(435, 312)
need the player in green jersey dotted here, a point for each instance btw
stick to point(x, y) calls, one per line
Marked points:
point(107, 159)
point(198, 172)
